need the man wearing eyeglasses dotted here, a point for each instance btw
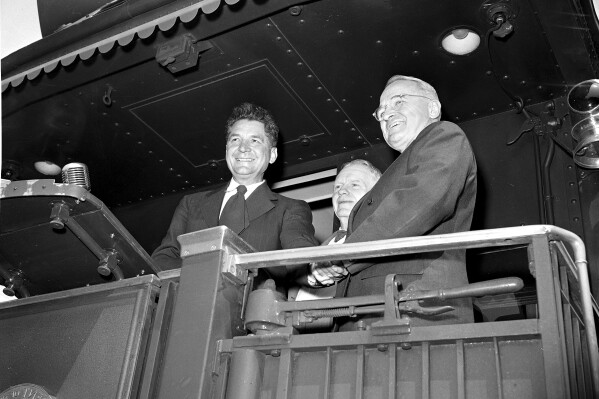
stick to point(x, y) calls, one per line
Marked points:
point(429, 189)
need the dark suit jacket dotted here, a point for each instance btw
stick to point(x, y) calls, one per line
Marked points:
point(276, 222)
point(429, 189)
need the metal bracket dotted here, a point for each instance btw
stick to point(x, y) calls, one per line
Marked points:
point(229, 269)
point(108, 263)
point(393, 322)
point(15, 283)
point(108, 258)
point(59, 215)
point(276, 337)
point(181, 53)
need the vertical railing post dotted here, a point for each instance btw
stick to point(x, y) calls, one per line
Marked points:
point(245, 374)
point(207, 309)
point(549, 321)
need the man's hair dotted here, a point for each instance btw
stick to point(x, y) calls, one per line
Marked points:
point(376, 173)
point(425, 88)
point(254, 112)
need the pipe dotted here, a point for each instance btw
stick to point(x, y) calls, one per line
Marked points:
point(85, 238)
point(118, 273)
point(540, 180)
point(548, 193)
point(245, 374)
point(90, 243)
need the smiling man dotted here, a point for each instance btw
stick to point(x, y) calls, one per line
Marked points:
point(354, 180)
point(429, 189)
point(269, 221)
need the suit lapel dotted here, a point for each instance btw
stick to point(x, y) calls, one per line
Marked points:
point(261, 201)
point(211, 206)
point(352, 215)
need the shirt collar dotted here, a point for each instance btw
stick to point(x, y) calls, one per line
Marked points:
point(251, 187)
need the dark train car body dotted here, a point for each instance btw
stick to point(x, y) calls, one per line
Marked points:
point(139, 92)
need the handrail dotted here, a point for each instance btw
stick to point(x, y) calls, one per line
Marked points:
point(471, 239)
point(409, 245)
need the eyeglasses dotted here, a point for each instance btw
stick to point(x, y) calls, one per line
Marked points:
point(396, 102)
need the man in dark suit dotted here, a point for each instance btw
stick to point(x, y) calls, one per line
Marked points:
point(272, 220)
point(429, 189)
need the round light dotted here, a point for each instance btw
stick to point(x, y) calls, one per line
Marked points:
point(586, 150)
point(460, 41)
point(47, 168)
point(583, 98)
point(586, 127)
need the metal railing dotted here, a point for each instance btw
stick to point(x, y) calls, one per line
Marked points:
point(575, 259)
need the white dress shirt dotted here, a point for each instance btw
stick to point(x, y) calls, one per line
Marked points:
point(232, 190)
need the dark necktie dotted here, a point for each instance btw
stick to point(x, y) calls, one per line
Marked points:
point(235, 215)
point(339, 234)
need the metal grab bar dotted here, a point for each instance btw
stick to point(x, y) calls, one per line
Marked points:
point(409, 245)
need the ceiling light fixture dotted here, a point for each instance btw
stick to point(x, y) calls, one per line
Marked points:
point(460, 41)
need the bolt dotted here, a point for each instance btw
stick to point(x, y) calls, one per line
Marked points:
point(275, 352)
point(295, 10)
point(382, 347)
